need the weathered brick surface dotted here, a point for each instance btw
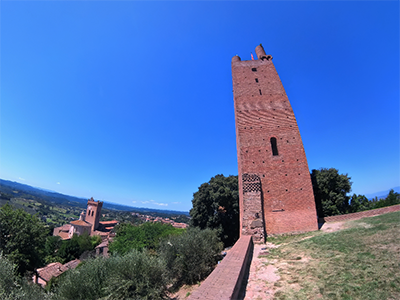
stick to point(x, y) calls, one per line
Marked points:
point(262, 112)
point(362, 214)
point(252, 218)
point(225, 281)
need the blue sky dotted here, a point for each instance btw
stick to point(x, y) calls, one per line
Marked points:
point(131, 102)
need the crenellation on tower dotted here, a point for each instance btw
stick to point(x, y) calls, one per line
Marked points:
point(269, 147)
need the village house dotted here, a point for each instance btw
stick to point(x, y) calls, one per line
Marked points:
point(43, 275)
point(89, 223)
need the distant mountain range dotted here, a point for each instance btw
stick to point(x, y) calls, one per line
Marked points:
point(382, 194)
point(15, 189)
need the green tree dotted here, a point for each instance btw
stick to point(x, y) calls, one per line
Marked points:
point(216, 206)
point(13, 287)
point(359, 203)
point(73, 248)
point(330, 191)
point(147, 236)
point(22, 238)
point(392, 198)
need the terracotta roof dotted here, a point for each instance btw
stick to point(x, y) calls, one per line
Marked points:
point(56, 269)
point(51, 270)
point(109, 222)
point(71, 264)
point(80, 223)
point(103, 244)
point(101, 233)
point(180, 225)
point(64, 235)
point(65, 227)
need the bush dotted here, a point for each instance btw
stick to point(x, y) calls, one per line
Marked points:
point(13, 287)
point(192, 256)
point(84, 282)
point(136, 275)
point(147, 236)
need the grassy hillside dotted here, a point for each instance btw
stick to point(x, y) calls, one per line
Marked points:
point(359, 262)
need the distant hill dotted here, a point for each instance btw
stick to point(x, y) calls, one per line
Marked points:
point(23, 190)
point(382, 194)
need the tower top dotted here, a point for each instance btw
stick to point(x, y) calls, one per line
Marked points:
point(260, 53)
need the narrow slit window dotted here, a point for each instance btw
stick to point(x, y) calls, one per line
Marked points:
point(274, 146)
point(257, 80)
point(260, 92)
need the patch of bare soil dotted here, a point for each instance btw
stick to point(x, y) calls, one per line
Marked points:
point(263, 274)
point(269, 278)
point(184, 292)
point(334, 226)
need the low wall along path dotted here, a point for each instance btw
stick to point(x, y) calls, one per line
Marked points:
point(229, 277)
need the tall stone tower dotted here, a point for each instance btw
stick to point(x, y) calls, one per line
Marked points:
point(93, 212)
point(275, 190)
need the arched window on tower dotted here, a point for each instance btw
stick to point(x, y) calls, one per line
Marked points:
point(274, 146)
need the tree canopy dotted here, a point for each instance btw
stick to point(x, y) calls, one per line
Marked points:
point(216, 206)
point(330, 191)
point(146, 236)
point(22, 237)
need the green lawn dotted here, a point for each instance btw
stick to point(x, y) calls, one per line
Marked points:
point(359, 262)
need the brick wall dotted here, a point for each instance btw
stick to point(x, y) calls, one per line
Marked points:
point(252, 218)
point(226, 280)
point(362, 214)
point(264, 117)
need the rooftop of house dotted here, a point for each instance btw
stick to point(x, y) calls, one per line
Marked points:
point(103, 244)
point(113, 222)
point(65, 227)
point(80, 223)
point(64, 235)
point(56, 269)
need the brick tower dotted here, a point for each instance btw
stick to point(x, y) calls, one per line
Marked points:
point(93, 212)
point(275, 188)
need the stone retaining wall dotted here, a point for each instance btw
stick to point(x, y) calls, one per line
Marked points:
point(362, 214)
point(226, 279)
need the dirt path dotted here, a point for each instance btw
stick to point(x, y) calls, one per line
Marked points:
point(264, 271)
point(262, 276)
point(334, 226)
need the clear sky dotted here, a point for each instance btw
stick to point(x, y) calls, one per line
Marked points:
point(131, 102)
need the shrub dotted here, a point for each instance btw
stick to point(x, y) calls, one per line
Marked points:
point(84, 282)
point(192, 256)
point(135, 275)
point(13, 287)
point(147, 236)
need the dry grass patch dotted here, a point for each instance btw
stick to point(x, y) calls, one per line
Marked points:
point(359, 262)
